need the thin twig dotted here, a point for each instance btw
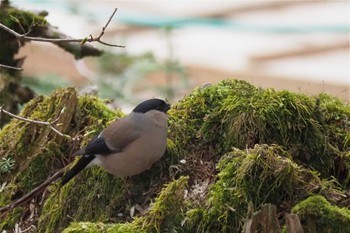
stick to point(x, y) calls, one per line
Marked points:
point(10, 67)
point(53, 40)
point(2, 110)
point(33, 193)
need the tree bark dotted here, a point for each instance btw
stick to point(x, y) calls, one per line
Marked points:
point(293, 224)
point(264, 221)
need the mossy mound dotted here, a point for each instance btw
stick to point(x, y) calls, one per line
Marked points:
point(315, 130)
point(264, 174)
point(318, 215)
point(165, 214)
point(36, 151)
point(229, 144)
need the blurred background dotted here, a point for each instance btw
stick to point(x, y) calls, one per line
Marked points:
point(174, 46)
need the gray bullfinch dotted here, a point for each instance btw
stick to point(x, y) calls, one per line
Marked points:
point(130, 145)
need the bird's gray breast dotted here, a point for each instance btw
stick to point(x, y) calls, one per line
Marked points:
point(147, 148)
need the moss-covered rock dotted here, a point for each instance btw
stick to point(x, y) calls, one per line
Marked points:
point(236, 114)
point(36, 150)
point(264, 174)
point(318, 215)
point(165, 214)
point(236, 144)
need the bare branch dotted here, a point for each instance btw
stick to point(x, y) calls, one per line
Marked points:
point(33, 193)
point(50, 124)
point(11, 67)
point(57, 40)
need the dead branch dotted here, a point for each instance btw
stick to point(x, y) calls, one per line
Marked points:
point(59, 40)
point(50, 124)
point(33, 193)
point(11, 67)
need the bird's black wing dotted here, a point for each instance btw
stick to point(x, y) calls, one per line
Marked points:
point(79, 166)
point(96, 146)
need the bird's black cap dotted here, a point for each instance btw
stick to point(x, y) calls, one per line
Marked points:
point(152, 104)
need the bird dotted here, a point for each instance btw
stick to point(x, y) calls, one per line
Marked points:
point(128, 146)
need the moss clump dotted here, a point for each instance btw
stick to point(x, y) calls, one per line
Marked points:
point(198, 118)
point(89, 227)
point(11, 219)
point(41, 164)
point(268, 147)
point(264, 174)
point(38, 151)
point(29, 143)
point(94, 195)
point(164, 215)
point(97, 190)
point(279, 178)
point(315, 130)
point(318, 215)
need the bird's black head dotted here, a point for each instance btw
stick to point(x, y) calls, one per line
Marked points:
point(152, 104)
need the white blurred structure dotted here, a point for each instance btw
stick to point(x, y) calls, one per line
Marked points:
point(300, 46)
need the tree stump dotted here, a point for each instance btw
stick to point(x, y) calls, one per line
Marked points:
point(293, 224)
point(263, 221)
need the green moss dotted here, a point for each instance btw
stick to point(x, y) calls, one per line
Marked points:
point(164, 215)
point(236, 114)
point(11, 219)
point(268, 146)
point(44, 151)
point(93, 189)
point(94, 114)
point(345, 160)
point(125, 227)
point(318, 215)
point(199, 117)
point(264, 174)
point(88, 227)
point(335, 118)
point(279, 178)
point(27, 138)
point(41, 164)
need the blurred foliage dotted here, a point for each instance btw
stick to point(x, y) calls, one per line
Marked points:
point(120, 76)
point(45, 84)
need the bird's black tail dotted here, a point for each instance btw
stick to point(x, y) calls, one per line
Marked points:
point(78, 167)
